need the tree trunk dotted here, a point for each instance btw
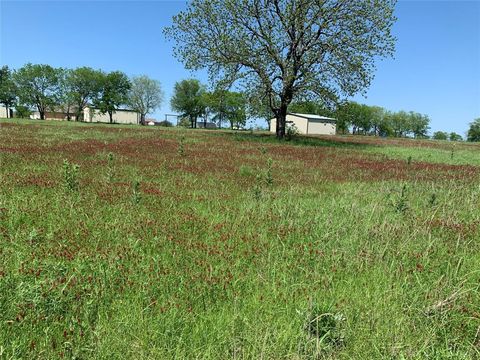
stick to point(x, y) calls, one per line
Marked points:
point(281, 121)
point(110, 113)
point(142, 119)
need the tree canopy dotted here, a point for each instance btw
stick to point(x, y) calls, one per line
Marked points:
point(474, 131)
point(8, 89)
point(188, 99)
point(145, 95)
point(113, 92)
point(38, 86)
point(282, 50)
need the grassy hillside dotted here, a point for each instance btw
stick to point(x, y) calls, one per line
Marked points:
point(168, 243)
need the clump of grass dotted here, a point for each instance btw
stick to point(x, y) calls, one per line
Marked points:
point(70, 176)
point(409, 160)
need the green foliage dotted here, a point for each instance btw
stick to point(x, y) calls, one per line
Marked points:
point(474, 131)
point(22, 111)
point(70, 176)
point(82, 86)
point(136, 193)
point(145, 95)
point(110, 175)
point(38, 86)
point(292, 132)
point(114, 90)
point(165, 123)
point(181, 146)
point(188, 99)
point(227, 106)
point(281, 51)
point(440, 135)
point(328, 327)
point(8, 88)
point(453, 136)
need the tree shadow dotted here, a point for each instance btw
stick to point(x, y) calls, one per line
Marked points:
point(298, 140)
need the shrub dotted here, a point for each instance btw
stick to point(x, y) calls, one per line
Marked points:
point(165, 123)
point(22, 112)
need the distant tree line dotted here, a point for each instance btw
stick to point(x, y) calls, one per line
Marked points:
point(45, 88)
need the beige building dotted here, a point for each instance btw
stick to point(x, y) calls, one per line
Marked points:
point(120, 116)
point(4, 113)
point(308, 124)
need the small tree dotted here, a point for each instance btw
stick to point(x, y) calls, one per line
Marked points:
point(440, 135)
point(145, 96)
point(474, 131)
point(114, 93)
point(455, 137)
point(8, 89)
point(188, 99)
point(38, 86)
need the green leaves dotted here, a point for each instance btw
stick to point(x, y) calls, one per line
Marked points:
point(37, 86)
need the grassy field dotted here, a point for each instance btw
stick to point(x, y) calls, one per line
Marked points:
point(125, 242)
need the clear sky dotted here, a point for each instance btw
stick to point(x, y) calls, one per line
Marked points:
point(436, 69)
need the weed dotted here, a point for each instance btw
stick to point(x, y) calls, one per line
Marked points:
point(401, 204)
point(268, 173)
point(409, 160)
point(181, 146)
point(327, 327)
point(70, 176)
point(110, 175)
point(136, 194)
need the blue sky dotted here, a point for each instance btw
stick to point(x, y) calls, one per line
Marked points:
point(436, 69)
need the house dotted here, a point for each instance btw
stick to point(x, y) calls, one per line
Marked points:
point(55, 114)
point(308, 124)
point(4, 113)
point(120, 116)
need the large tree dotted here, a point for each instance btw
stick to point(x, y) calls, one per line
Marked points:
point(82, 86)
point(8, 90)
point(188, 99)
point(113, 94)
point(283, 50)
point(474, 131)
point(38, 86)
point(145, 96)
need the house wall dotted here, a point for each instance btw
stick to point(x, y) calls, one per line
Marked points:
point(319, 127)
point(3, 112)
point(308, 127)
point(300, 124)
point(119, 117)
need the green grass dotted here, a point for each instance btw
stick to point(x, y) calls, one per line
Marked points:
point(342, 250)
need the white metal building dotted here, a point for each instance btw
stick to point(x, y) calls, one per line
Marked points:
point(120, 116)
point(309, 124)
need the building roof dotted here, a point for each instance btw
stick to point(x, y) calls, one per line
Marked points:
point(312, 117)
